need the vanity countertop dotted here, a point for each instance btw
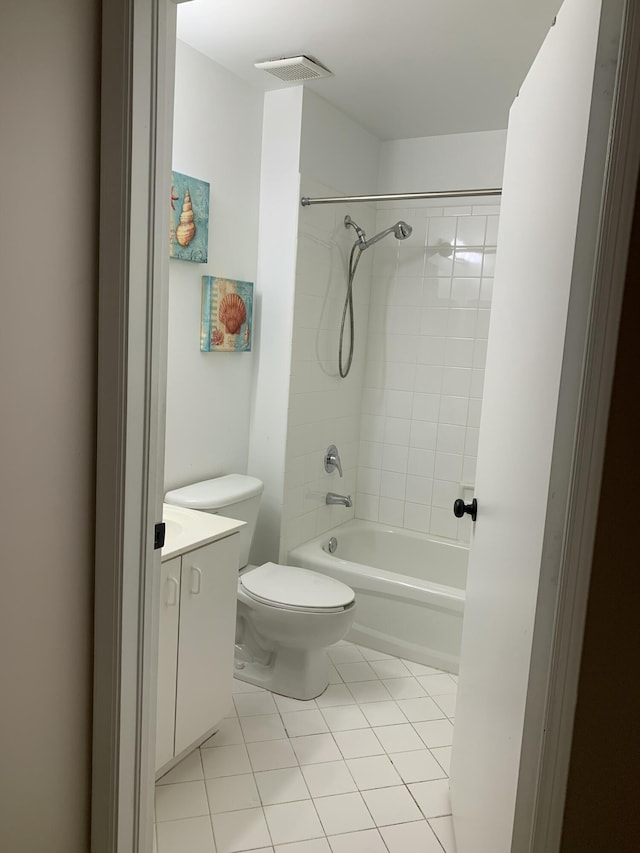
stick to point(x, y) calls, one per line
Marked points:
point(187, 529)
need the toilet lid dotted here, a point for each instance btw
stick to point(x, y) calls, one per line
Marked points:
point(293, 587)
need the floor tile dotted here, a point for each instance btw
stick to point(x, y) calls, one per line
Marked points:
point(417, 710)
point(392, 668)
point(225, 761)
point(344, 654)
point(433, 798)
point(391, 805)
point(442, 755)
point(239, 831)
point(271, 755)
point(435, 732)
point(420, 668)
point(315, 845)
point(329, 778)
point(266, 727)
point(281, 786)
point(193, 834)
point(285, 703)
point(447, 702)
point(252, 704)
point(374, 772)
point(443, 828)
point(315, 749)
point(232, 793)
point(369, 691)
point(383, 713)
point(345, 718)
point(417, 766)
point(335, 694)
point(245, 687)
point(189, 770)
point(372, 654)
point(365, 841)
point(436, 685)
point(333, 674)
point(386, 732)
point(398, 738)
point(358, 744)
point(404, 688)
point(228, 734)
point(185, 799)
point(343, 813)
point(357, 671)
point(301, 723)
point(406, 837)
point(293, 822)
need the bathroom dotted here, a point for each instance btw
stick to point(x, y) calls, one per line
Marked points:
point(406, 418)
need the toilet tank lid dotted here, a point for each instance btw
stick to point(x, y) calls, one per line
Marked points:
point(216, 493)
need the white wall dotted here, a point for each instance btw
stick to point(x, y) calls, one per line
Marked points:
point(217, 138)
point(49, 138)
point(279, 208)
point(336, 150)
point(453, 162)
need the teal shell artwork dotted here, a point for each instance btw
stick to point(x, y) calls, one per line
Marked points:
point(189, 219)
point(227, 315)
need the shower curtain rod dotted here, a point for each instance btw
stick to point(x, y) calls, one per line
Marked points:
point(306, 201)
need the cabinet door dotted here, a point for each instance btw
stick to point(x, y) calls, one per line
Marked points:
point(206, 638)
point(167, 659)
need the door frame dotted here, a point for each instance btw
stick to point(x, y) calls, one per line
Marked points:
point(137, 112)
point(138, 69)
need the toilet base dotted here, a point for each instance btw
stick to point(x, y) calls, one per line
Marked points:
point(296, 673)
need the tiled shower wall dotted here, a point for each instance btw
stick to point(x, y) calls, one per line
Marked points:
point(426, 349)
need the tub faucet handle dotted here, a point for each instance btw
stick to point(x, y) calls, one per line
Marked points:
point(332, 460)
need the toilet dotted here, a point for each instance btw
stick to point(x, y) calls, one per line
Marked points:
point(287, 616)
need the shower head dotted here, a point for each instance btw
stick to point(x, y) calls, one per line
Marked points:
point(401, 230)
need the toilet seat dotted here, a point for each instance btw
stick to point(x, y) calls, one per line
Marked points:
point(292, 588)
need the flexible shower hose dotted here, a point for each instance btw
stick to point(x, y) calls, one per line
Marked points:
point(348, 306)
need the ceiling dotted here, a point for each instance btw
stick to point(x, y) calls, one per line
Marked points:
point(402, 69)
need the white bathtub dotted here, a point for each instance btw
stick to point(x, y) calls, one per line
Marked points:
point(409, 588)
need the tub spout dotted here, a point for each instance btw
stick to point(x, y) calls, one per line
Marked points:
point(343, 500)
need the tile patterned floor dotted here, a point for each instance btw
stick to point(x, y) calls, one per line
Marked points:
point(361, 769)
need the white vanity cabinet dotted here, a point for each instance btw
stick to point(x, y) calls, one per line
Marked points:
point(198, 592)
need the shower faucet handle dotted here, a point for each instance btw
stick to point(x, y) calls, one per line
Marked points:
point(332, 460)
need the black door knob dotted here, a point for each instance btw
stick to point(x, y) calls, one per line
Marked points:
point(460, 507)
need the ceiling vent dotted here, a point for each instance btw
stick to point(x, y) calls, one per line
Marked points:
point(294, 69)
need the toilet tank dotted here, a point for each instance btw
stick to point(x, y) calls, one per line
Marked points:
point(233, 496)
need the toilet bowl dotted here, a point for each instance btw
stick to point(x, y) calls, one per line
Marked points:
point(286, 616)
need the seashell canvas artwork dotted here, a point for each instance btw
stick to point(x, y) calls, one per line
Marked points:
point(189, 219)
point(227, 315)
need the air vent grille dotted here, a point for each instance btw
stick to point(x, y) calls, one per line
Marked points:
point(294, 69)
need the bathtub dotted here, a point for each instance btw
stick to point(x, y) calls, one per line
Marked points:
point(409, 588)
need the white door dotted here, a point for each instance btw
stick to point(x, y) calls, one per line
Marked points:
point(553, 179)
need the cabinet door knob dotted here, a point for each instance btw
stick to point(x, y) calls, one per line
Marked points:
point(172, 594)
point(196, 580)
